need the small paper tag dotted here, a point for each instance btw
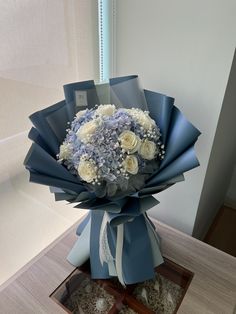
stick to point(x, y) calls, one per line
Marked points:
point(81, 100)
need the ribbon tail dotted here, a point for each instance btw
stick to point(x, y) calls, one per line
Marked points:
point(104, 249)
point(119, 250)
point(112, 268)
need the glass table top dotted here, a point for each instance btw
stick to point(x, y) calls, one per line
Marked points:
point(79, 294)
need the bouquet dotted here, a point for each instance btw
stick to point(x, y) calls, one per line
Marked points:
point(108, 148)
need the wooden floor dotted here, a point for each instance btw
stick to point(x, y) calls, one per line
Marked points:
point(212, 290)
point(222, 233)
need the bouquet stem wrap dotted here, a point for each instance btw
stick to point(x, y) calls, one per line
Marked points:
point(122, 245)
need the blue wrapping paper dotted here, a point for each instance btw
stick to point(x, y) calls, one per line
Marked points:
point(140, 242)
point(135, 246)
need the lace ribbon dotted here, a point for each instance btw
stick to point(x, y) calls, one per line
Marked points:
point(115, 269)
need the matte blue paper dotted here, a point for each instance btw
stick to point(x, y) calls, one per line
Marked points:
point(160, 108)
point(60, 183)
point(181, 164)
point(44, 127)
point(135, 245)
point(43, 163)
point(182, 134)
point(35, 136)
point(98, 271)
point(127, 91)
point(88, 86)
point(83, 224)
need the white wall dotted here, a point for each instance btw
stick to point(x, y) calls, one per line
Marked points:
point(43, 45)
point(221, 162)
point(183, 49)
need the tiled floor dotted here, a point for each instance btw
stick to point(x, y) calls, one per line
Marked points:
point(30, 219)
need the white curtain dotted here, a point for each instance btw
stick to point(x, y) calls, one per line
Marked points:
point(43, 45)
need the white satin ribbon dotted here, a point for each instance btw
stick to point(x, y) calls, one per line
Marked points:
point(115, 269)
point(119, 250)
point(104, 249)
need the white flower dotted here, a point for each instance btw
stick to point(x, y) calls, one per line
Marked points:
point(80, 113)
point(148, 150)
point(86, 131)
point(87, 170)
point(106, 110)
point(142, 118)
point(129, 141)
point(65, 151)
point(130, 164)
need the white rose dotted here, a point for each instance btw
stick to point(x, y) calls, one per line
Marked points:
point(142, 118)
point(79, 114)
point(129, 141)
point(106, 110)
point(146, 122)
point(148, 150)
point(86, 131)
point(130, 164)
point(87, 170)
point(65, 151)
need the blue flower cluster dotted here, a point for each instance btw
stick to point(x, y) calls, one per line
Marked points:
point(107, 147)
